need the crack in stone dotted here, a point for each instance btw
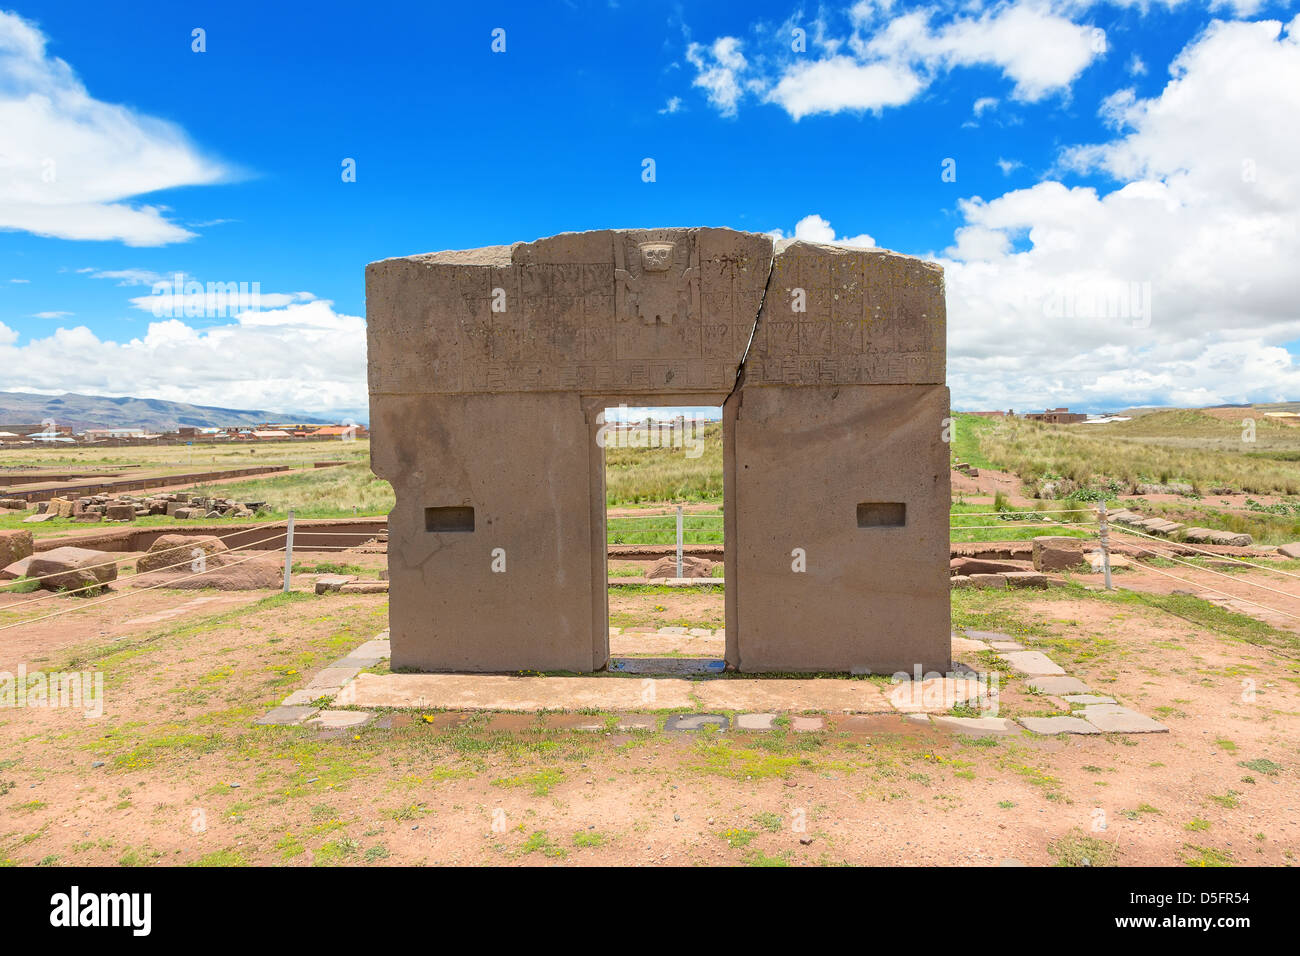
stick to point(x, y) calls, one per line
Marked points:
point(767, 283)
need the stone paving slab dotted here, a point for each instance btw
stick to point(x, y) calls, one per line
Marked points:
point(301, 697)
point(1085, 699)
point(637, 722)
point(340, 719)
point(333, 677)
point(1059, 685)
point(805, 725)
point(685, 722)
point(282, 715)
point(1058, 725)
point(1114, 719)
point(755, 721)
point(1006, 645)
point(1033, 664)
point(498, 692)
point(977, 726)
point(987, 636)
point(785, 695)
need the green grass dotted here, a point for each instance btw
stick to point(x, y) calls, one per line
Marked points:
point(1183, 445)
point(635, 475)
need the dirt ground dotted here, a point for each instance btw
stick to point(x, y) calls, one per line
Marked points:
point(175, 771)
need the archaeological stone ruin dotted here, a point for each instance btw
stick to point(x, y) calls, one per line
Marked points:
point(489, 371)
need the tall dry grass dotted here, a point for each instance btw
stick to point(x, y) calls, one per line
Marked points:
point(1209, 454)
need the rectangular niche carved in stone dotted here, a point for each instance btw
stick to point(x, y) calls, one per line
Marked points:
point(882, 514)
point(449, 519)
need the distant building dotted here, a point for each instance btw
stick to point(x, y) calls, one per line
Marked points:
point(98, 434)
point(1057, 416)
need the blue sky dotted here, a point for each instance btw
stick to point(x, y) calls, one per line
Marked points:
point(226, 165)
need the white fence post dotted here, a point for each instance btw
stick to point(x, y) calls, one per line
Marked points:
point(679, 541)
point(288, 552)
point(1105, 542)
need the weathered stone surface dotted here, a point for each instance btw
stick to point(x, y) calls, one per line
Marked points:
point(291, 714)
point(936, 694)
point(1289, 550)
point(16, 570)
point(120, 512)
point(332, 582)
point(755, 721)
point(1058, 725)
point(1114, 719)
point(40, 518)
point(254, 574)
point(976, 726)
point(806, 724)
point(1032, 663)
point(1026, 579)
point(685, 722)
point(874, 504)
point(1058, 685)
point(988, 580)
point(1006, 645)
point(71, 568)
point(1054, 553)
point(15, 545)
point(983, 566)
point(182, 552)
point(1084, 699)
point(364, 587)
point(692, 567)
point(340, 719)
point(522, 347)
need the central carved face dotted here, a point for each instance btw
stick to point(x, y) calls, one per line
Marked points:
point(656, 256)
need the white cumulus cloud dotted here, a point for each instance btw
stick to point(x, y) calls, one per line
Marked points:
point(69, 163)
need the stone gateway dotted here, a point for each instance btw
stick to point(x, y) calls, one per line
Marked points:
point(489, 370)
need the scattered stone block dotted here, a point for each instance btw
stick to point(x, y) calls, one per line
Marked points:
point(16, 570)
point(332, 582)
point(71, 568)
point(1033, 664)
point(183, 552)
point(959, 581)
point(1057, 725)
point(120, 512)
point(692, 567)
point(1289, 550)
point(364, 587)
point(987, 635)
point(987, 580)
point(1056, 553)
point(15, 545)
point(1006, 645)
point(1025, 579)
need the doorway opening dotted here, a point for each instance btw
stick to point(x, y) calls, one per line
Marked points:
point(665, 540)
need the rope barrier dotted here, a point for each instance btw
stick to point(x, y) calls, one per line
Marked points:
point(133, 592)
point(91, 587)
point(105, 564)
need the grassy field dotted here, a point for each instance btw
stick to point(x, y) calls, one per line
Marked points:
point(1180, 446)
point(176, 458)
point(636, 475)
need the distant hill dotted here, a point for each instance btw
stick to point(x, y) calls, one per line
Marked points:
point(98, 411)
